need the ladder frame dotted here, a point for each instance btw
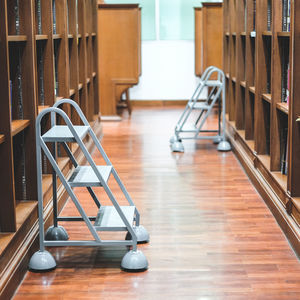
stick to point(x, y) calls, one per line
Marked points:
point(41, 145)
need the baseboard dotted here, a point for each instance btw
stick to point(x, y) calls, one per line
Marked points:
point(158, 103)
point(274, 196)
point(16, 257)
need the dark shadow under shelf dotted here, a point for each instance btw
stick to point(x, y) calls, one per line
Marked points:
point(18, 126)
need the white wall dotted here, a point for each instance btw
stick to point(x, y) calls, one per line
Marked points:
point(167, 71)
point(168, 68)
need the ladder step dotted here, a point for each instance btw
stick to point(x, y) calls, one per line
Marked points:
point(84, 176)
point(62, 133)
point(108, 218)
point(199, 105)
point(213, 83)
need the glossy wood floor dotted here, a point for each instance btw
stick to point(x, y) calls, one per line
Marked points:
point(212, 236)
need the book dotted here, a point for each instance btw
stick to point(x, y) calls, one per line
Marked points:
point(283, 150)
point(54, 16)
point(39, 16)
point(269, 15)
point(17, 16)
point(284, 73)
point(285, 15)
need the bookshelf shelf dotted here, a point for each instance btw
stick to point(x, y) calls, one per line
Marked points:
point(284, 107)
point(227, 34)
point(88, 80)
point(267, 33)
point(233, 33)
point(227, 75)
point(17, 38)
point(71, 92)
point(79, 36)
point(94, 74)
point(42, 107)
point(233, 79)
point(2, 138)
point(18, 125)
point(243, 33)
point(93, 34)
point(41, 37)
point(57, 36)
point(80, 85)
point(267, 97)
point(70, 36)
point(284, 34)
point(243, 84)
point(252, 89)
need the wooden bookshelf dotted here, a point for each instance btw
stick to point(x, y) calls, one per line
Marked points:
point(41, 61)
point(208, 36)
point(260, 52)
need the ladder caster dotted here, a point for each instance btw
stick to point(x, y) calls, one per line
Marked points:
point(42, 261)
point(134, 261)
point(58, 233)
point(177, 147)
point(224, 146)
point(217, 139)
point(141, 234)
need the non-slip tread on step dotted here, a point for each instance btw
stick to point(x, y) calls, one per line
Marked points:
point(108, 219)
point(62, 133)
point(84, 176)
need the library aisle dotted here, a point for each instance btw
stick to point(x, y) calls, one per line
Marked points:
point(211, 234)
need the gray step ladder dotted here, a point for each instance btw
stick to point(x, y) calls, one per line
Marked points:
point(107, 218)
point(185, 129)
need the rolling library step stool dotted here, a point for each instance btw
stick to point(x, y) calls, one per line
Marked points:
point(217, 92)
point(108, 218)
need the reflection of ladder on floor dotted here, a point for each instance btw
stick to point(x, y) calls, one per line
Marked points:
point(108, 218)
point(184, 130)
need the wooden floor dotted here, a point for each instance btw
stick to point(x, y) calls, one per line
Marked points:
point(212, 236)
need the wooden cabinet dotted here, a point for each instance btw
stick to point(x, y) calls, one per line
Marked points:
point(119, 49)
point(48, 50)
point(208, 36)
point(261, 39)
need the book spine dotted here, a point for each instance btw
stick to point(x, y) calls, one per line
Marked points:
point(17, 16)
point(54, 16)
point(56, 90)
point(39, 16)
point(284, 15)
point(269, 16)
point(288, 15)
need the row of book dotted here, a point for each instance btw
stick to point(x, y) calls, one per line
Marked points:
point(285, 76)
point(286, 15)
point(284, 151)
